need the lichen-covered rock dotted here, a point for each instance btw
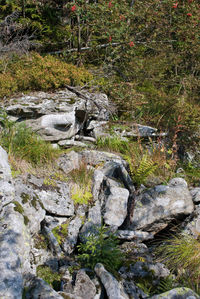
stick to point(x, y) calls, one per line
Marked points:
point(177, 293)
point(33, 208)
point(14, 252)
point(5, 171)
point(38, 288)
point(195, 192)
point(116, 206)
point(84, 287)
point(113, 288)
point(68, 162)
point(55, 127)
point(92, 223)
point(72, 235)
point(156, 207)
point(57, 202)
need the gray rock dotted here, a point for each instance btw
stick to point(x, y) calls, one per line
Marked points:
point(94, 158)
point(191, 225)
point(7, 193)
point(156, 207)
point(177, 293)
point(85, 138)
point(132, 290)
point(130, 235)
point(72, 236)
point(5, 171)
point(112, 286)
point(93, 222)
point(54, 127)
point(98, 178)
point(116, 206)
point(58, 202)
point(84, 287)
point(71, 143)
point(68, 162)
point(38, 288)
point(14, 252)
point(98, 128)
point(27, 196)
point(195, 193)
point(69, 296)
point(54, 246)
point(117, 170)
point(52, 222)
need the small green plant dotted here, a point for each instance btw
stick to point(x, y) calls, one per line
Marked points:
point(52, 278)
point(141, 169)
point(80, 195)
point(82, 179)
point(100, 247)
point(60, 232)
point(181, 255)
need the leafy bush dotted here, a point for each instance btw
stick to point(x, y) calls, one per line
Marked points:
point(21, 142)
point(100, 247)
point(35, 72)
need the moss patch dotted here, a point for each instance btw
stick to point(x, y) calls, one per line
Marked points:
point(60, 232)
point(52, 278)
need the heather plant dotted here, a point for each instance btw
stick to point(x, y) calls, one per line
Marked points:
point(34, 72)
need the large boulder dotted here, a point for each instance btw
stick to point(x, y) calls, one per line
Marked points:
point(156, 207)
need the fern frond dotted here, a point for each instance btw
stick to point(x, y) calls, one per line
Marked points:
point(141, 172)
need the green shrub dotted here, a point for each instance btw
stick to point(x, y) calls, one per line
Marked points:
point(100, 247)
point(35, 72)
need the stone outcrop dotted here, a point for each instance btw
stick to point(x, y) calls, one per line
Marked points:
point(41, 224)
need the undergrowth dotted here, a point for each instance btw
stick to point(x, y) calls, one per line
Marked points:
point(21, 142)
point(181, 255)
point(35, 72)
